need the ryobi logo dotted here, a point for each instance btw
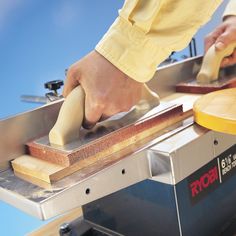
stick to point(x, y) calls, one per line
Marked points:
point(209, 177)
point(204, 181)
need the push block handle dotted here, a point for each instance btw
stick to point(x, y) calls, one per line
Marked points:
point(69, 121)
point(211, 63)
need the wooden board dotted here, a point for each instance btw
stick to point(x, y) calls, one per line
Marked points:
point(108, 144)
point(217, 111)
point(104, 155)
point(26, 165)
point(43, 173)
point(191, 86)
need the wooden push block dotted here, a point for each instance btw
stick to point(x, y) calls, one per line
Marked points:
point(192, 86)
point(43, 173)
point(208, 79)
point(108, 144)
point(96, 155)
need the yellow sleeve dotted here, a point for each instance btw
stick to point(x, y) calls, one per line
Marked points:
point(230, 9)
point(147, 31)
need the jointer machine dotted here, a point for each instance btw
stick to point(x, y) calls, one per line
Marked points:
point(178, 180)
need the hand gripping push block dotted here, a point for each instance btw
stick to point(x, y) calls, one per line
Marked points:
point(179, 181)
point(192, 188)
point(216, 110)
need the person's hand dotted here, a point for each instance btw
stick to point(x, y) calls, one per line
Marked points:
point(222, 36)
point(107, 89)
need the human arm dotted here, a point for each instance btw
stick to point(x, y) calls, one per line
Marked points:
point(224, 34)
point(108, 90)
point(143, 35)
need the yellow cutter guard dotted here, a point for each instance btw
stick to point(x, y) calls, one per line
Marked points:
point(217, 111)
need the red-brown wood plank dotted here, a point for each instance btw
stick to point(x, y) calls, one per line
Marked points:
point(191, 86)
point(110, 143)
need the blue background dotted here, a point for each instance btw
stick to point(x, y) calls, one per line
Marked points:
point(38, 40)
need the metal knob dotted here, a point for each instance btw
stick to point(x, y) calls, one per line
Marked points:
point(65, 229)
point(54, 85)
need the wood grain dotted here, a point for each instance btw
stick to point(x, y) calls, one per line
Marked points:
point(30, 166)
point(192, 86)
point(108, 144)
point(101, 153)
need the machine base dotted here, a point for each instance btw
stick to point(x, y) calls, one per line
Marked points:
point(82, 227)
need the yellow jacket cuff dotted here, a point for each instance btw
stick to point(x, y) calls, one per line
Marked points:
point(230, 9)
point(128, 48)
point(146, 32)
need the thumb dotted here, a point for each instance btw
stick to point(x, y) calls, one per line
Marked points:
point(223, 41)
point(211, 38)
point(220, 45)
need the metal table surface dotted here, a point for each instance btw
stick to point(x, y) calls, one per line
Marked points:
point(35, 48)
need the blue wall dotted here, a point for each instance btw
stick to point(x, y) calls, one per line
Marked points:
point(38, 40)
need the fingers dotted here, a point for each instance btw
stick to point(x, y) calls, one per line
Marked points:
point(222, 36)
point(225, 62)
point(208, 42)
point(72, 80)
point(107, 89)
point(223, 40)
point(100, 110)
point(228, 61)
point(92, 114)
point(211, 38)
point(220, 45)
point(103, 117)
point(232, 59)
